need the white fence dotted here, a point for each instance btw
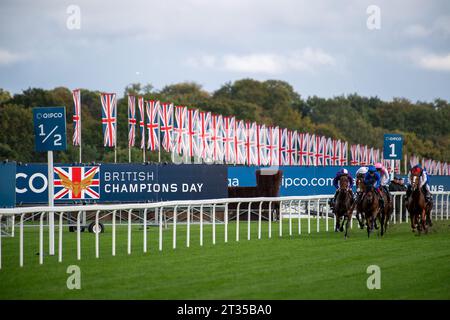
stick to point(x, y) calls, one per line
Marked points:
point(294, 209)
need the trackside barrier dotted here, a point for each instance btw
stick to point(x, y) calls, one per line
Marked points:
point(300, 207)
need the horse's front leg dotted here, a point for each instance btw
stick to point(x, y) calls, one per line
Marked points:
point(336, 227)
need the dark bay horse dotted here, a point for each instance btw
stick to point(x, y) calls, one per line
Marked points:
point(360, 189)
point(371, 208)
point(386, 212)
point(417, 207)
point(344, 201)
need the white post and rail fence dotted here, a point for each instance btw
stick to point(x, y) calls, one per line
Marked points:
point(199, 212)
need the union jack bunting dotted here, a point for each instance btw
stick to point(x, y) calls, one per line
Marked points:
point(263, 156)
point(272, 145)
point(328, 152)
point(76, 117)
point(311, 149)
point(335, 152)
point(217, 137)
point(251, 144)
point(180, 129)
point(152, 110)
point(282, 147)
point(76, 183)
point(131, 120)
point(292, 147)
point(319, 151)
point(166, 128)
point(109, 119)
point(204, 135)
point(354, 150)
point(192, 131)
point(142, 120)
point(302, 149)
point(343, 154)
point(241, 138)
point(228, 140)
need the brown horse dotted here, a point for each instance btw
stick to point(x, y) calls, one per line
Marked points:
point(386, 212)
point(417, 207)
point(360, 189)
point(344, 200)
point(370, 207)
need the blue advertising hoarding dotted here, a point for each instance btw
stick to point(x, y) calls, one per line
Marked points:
point(309, 180)
point(121, 183)
point(7, 185)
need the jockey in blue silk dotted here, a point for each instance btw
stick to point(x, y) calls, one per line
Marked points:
point(339, 174)
point(373, 179)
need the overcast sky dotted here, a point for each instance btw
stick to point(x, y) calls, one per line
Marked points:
point(322, 48)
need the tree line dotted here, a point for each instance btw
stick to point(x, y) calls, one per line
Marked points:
point(353, 118)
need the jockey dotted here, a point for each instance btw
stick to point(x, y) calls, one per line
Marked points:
point(373, 179)
point(385, 179)
point(423, 182)
point(339, 174)
point(360, 173)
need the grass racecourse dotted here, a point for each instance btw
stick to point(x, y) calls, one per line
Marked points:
point(308, 266)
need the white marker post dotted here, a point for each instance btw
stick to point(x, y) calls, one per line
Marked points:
point(51, 215)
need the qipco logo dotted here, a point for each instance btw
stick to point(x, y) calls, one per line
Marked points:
point(36, 183)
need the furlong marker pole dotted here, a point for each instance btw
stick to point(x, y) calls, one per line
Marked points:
point(51, 215)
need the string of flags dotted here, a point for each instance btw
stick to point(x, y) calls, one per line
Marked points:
point(215, 138)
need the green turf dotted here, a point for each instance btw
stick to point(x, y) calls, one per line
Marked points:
point(308, 266)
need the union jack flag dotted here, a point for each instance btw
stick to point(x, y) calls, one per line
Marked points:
point(320, 151)
point(291, 147)
point(336, 144)
point(76, 117)
point(241, 138)
point(166, 116)
point(204, 134)
point(217, 137)
point(76, 183)
point(262, 145)
point(142, 121)
point(272, 146)
point(311, 149)
point(302, 149)
point(152, 110)
point(131, 120)
point(228, 140)
point(282, 138)
point(354, 150)
point(192, 131)
point(109, 119)
point(344, 153)
point(251, 144)
point(180, 129)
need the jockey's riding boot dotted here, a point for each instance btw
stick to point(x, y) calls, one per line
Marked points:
point(428, 196)
point(388, 195)
point(380, 199)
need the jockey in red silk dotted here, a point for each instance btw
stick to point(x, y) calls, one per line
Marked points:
point(339, 174)
point(423, 182)
point(385, 180)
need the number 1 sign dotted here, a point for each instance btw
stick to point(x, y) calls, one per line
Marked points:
point(393, 145)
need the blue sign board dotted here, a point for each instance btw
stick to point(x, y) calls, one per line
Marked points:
point(49, 128)
point(7, 185)
point(107, 183)
point(392, 147)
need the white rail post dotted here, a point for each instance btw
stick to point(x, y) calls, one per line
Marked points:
point(114, 232)
point(326, 212)
point(201, 225)
point(20, 239)
point(406, 215)
point(248, 219)
point(309, 216)
point(448, 194)
point(290, 217)
point(280, 221)
point(442, 207)
point(188, 227)
point(237, 221)
point(161, 229)
point(270, 219)
point(144, 240)
point(41, 238)
point(226, 222)
point(400, 217)
point(97, 244)
point(174, 244)
point(79, 235)
point(0, 243)
point(129, 232)
point(317, 215)
point(299, 215)
point(214, 224)
point(395, 208)
point(259, 220)
point(60, 238)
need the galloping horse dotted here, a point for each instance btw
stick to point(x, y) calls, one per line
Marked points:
point(360, 189)
point(343, 203)
point(370, 207)
point(386, 211)
point(417, 207)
